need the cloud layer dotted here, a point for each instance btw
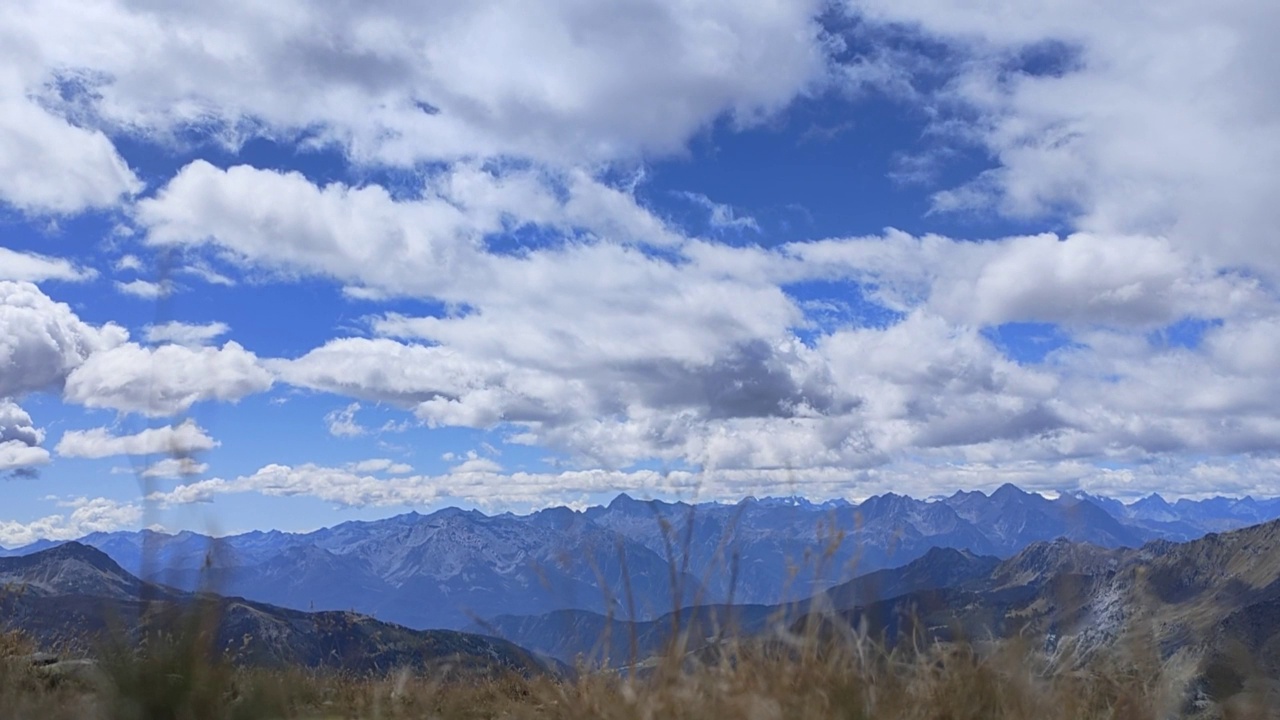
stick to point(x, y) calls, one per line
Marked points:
point(486, 219)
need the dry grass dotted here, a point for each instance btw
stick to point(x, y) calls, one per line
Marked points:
point(812, 675)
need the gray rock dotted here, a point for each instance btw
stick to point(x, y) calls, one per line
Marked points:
point(85, 671)
point(37, 659)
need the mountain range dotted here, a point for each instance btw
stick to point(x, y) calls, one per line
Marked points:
point(74, 597)
point(635, 559)
point(1211, 605)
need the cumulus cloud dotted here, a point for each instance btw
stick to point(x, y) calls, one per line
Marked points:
point(32, 267)
point(343, 423)
point(380, 465)
point(1151, 136)
point(87, 515)
point(166, 380)
point(19, 439)
point(175, 469)
point(341, 486)
point(349, 488)
point(1163, 120)
point(145, 289)
point(181, 333)
point(42, 341)
point(476, 464)
point(397, 82)
point(51, 165)
point(180, 440)
point(284, 221)
point(1080, 280)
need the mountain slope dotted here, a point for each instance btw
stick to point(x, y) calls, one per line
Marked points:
point(569, 634)
point(75, 596)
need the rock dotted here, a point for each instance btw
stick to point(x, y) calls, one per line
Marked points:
point(36, 659)
point(85, 671)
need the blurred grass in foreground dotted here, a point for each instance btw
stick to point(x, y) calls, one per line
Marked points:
point(805, 675)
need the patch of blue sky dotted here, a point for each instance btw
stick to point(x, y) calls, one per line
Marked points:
point(831, 306)
point(520, 240)
point(1045, 58)
point(1028, 342)
point(1187, 333)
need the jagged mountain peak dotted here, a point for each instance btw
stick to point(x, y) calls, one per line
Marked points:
point(69, 568)
point(1009, 492)
point(75, 550)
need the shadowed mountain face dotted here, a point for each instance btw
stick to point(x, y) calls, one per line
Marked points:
point(1214, 601)
point(1210, 600)
point(69, 569)
point(637, 559)
point(568, 635)
point(75, 596)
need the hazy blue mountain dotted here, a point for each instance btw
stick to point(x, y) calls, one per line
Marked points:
point(1151, 507)
point(938, 568)
point(569, 635)
point(452, 567)
point(73, 597)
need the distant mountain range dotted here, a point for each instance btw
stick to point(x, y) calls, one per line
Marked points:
point(75, 596)
point(637, 559)
point(1213, 603)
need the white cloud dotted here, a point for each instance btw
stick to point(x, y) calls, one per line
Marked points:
point(208, 274)
point(283, 221)
point(31, 267)
point(41, 341)
point(1080, 280)
point(397, 81)
point(380, 465)
point(165, 380)
point(620, 340)
point(343, 423)
point(17, 455)
point(522, 491)
point(337, 485)
point(475, 464)
point(19, 439)
point(48, 164)
point(128, 263)
point(16, 425)
point(181, 440)
point(720, 215)
point(1162, 119)
point(175, 469)
point(145, 289)
point(86, 516)
point(188, 334)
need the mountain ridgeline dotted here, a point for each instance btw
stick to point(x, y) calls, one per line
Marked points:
point(75, 598)
point(639, 560)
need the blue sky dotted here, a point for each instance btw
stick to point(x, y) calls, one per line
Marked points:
point(284, 266)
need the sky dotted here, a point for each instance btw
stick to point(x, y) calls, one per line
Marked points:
point(282, 265)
